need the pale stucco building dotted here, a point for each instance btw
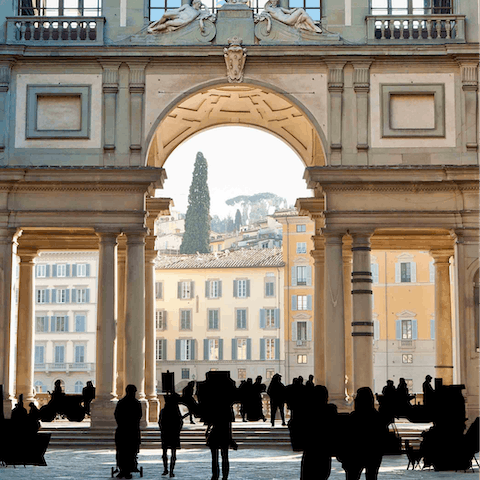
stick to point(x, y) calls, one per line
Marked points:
point(380, 103)
point(220, 312)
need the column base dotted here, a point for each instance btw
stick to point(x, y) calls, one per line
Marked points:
point(102, 413)
point(343, 406)
point(153, 409)
point(144, 420)
point(8, 404)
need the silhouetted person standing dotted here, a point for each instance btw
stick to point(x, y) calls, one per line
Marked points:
point(170, 424)
point(403, 398)
point(276, 392)
point(127, 436)
point(310, 383)
point(189, 401)
point(388, 405)
point(428, 393)
point(33, 418)
point(363, 439)
point(88, 393)
point(19, 414)
point(243, 398)
point(320, 435)
point(255, 412)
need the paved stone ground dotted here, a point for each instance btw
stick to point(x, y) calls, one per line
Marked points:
point(194, 464)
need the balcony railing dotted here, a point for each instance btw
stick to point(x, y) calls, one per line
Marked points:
point(416, 28)
point(64, 367)
point(55, 30)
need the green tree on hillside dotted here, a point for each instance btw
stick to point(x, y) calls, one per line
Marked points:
point(197, 220)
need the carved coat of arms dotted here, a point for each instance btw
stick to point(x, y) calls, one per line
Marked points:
point(235, 57)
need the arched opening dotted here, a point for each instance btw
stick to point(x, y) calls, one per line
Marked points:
point(247, 105)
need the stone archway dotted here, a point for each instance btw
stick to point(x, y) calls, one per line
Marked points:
point(245, 105)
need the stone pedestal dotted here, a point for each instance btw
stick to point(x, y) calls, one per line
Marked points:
point(102, 413)
point(235, 20)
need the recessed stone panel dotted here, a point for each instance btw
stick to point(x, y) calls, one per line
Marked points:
point(412, 111)
point(59, 112)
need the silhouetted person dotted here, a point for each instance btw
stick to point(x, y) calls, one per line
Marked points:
point(363, 438)
point(388, 402)
point(170, 424)
point(320, 435)
point(255, 410)
point(298, 406)
point(33, 418)
point(88, 393)
point(310, 384)
point(243, 398)
point(19, 414)
point(428, 393)
point(403, 398)
point(189, 401)
point(127, 436)
point(218, 396)
point(276, 392)
point(57, 396)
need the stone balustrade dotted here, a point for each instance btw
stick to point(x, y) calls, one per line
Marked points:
point(55, 30)
point(64, 367)
point(416, 28)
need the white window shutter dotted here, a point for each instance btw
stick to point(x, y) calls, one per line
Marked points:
point(294, 302)
point(294, 331)
point(413, 272)
point(398, 277)
point(309, 331)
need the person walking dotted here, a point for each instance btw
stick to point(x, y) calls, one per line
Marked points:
point(170, 424)
point(276, 392)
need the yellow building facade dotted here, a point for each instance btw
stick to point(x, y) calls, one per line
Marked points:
point(220, 312)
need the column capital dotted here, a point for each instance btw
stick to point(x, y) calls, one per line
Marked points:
point(441, 256)
point(107, 236)
point(5, 74)
point(110, 75)
point(150, 256)
point(335, 75)
point(136, 236)
point(136, 79)
point(361, 240)
point(361, 76)
point(27, 255)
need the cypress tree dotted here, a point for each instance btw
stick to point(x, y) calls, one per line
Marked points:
point(238, 220)
point(197, 221)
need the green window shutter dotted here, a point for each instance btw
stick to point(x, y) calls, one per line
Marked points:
point(47, 295)
point(294, 276)
point(47, 271)
point(74, 270)
point(192, 289)
point(192, 348)
point(294, 302)
point(235, 288)
point(398, 329)
point(67, 270)
point(164, 348)
point(309, 275)
point(262, 349)
point(294, 331)
point(248, 288)
point(87, 268)
point(205, 348)
point(309, 331)
point(249, 348)
point(177, 349)
point(277, 349)
point(207, 288)
point(74, 295)
point(309, 302)
point(234, 348)
point(220, 349)
point(53, 320)
point(54, 270)
point(67, 295)
point(179, 290)
point(66, 322)
point(263, 318)
point(277, 317)
point(219, 288)
point(414, 330)
point(88, 295)
point(54, 295)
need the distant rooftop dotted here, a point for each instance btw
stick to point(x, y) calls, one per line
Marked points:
point(265, 257)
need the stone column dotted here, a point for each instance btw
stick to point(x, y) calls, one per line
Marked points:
point(362, 331)
point(318, 255)
point(137, 91)
point(150, 337)
point(25, 327)
point(110, 90)
point(335, 88)
point(104, 404)
point(334, 318)
point(470, 88)
point(347, 288)
point(135, 316)
point(6, 272)
point(361, 85)
point(121, 258)
point(443, 316)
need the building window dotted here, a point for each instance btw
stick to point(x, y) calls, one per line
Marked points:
point(242, 373)
point(302, 302)
point(78, 386)
point(407, 358)
point(302, 331)
point(301, 275)
point(40, 387)
point(270, 318)
point(81, 295)
point(269, 373)
point(241, 288)
point(61, 270)
point(41, 324)
point(160, 319)
point(213, 289)
point(186, 350)
point(301, 228)
point(269, 349)
point(241, 319)
point(269, 289)
point(39, 354)
point(415, 7)
point(79, 353)
point(61, 8)
point(59, 324)
point(301, 247)
point(41, 295)
point(81, 270)
point(185, 319)
point(159, 290)
point(301, 359)
point(80, 323)
point(407, 330)
point(61, 295)
point(185, 290)
point(41, 271)
point(185, 374)
point(213, 349)
point(241, 349)
point(160, 353)
point(213, 319)
point(59, 354)
point(405, 272)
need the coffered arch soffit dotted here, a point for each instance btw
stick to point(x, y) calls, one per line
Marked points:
point(244, 105)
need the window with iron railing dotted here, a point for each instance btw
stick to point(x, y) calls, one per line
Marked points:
point(411, 7)
point(158, 7)
point(60, 8)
